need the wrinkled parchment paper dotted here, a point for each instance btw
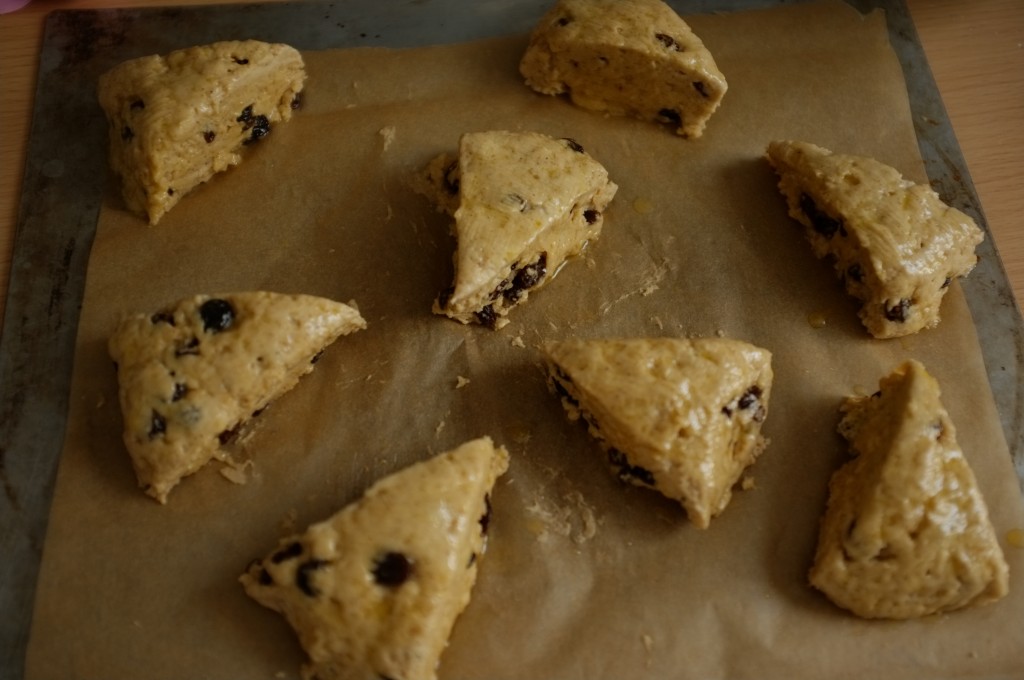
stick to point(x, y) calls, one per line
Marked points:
point(584, 578)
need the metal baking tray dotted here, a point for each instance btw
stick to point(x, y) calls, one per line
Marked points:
point(64, 183)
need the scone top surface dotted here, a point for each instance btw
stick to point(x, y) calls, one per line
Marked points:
point(374, 591)
point(190, 374)
point(626, 57)
point(682, 416)
point(526, 203)
point(906, 532)
point(177, 120)
point(897, 246)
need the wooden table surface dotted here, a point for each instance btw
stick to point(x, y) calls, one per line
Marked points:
point(975, 49)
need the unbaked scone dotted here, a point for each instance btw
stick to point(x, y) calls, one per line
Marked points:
point(374, 591)
point(523, 204)
point(191, 374)
point(177, 120)
point(681, 416)
point(625, 57)
point(906, 532)
point(895, 244)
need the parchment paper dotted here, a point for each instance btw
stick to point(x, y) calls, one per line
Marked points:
point(584, 578)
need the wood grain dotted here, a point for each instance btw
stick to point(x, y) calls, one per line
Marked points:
point(975, 49)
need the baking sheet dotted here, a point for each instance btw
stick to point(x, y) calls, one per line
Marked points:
point(560, 504)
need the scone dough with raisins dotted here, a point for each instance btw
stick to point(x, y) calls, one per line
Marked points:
point(895, 244)
point(906, 532)
point(189, 376)
point(523, 204)
point(626, 57)
point(177, 120)
point(677, 415)
point(374, 591)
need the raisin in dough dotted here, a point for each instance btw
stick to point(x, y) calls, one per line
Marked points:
point(177, 120)
point(374, 591)
point(523, 204)
point(681, 416)
point(625, 57)
point(190, 375)
point(906, 532)
point(895, 244)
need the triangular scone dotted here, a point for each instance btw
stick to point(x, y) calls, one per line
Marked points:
point(190, 375)
point(523, 203)
point(374, 591)
point(177, 120)
point(625, 57)
point(906, 532)
point(895, 244)
point(681, 416)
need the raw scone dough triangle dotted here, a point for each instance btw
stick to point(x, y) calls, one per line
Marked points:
point(190, 375)
point(895, 244)
point(374, 591)
point(906, 532)
point(523, 204)
point(626, 57)
point(177, 120)
point(681, 416)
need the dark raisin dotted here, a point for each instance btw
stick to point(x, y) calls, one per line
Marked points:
point(303, 573)
point(245, 117)
point(670, 116)
point(157, 425)
point(265, 578)
point(899, 311)
point(563, 392)
point(591, 215)
point(316, 357)
point(209, 136)
point(750, 397)
point(127, 133)
point(564, 21)
point(503, 288)
point(573, 144)
point(628, 472)
point(485, 519)
point(162, 317)
point(949, 280)
point(229, 435)
point(668, 41)
point(217, 314)
point(444, 296)
point(822, 223)
point(296, 101)
point(289, 552)
point(701, 88)
point(260, 129)
point(243, 62)
point(180, 390)
point(486, 316)
point(392, 569)
point(451, 179)
point(138, 104)
point(527, 277)
point(855, 273)
point(746, 401)
point(189, 348)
